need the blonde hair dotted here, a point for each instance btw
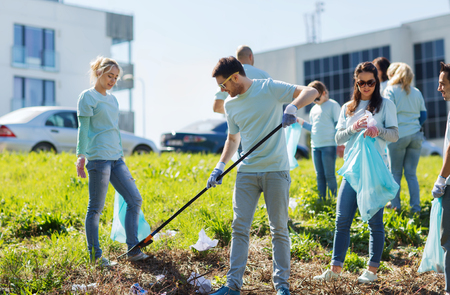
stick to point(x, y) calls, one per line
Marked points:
point(400, 73)
point(102, 65)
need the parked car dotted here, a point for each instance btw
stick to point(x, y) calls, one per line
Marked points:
point(430, 149)
point(54, 129)
point(207, 136)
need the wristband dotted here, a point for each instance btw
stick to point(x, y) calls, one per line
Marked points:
point(291, 109)
point(220, 166)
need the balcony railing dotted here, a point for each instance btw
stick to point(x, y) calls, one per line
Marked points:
point(47, 59)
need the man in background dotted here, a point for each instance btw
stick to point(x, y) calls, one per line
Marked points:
point(244, 54)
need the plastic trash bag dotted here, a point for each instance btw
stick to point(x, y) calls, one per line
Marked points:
point(433, 253)
point(292, 133)
point(368, 175)
point(118, 226)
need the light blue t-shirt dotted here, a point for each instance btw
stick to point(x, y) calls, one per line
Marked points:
point(323, 119)
point(255, 114)
point(104, 135)
point(447, 141)
point(408, 106)
point(251, 72)
point(386, 117)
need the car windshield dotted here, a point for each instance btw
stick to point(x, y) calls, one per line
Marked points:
point(19, 116)
point(203, 126)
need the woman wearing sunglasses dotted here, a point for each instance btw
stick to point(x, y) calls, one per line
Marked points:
point(366, 96)
point(411, 114)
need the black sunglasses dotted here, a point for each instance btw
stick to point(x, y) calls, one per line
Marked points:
point(369, 83)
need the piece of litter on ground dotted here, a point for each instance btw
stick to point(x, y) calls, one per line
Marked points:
point(169, 233)
point(160, 277)
point(136, 289)
point(203, 284)
point(83, 287)
point(292, 203)
point(204, 242)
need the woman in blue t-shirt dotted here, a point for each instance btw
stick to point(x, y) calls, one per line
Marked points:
point(352, 120)
point(411, 114)
point(100, 143)
point(323, 116)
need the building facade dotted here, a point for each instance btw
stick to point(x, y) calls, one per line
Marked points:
point(46, 49)
point(421, 44)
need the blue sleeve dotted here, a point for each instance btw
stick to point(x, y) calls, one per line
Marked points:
point(220, 95)
point(85, 106)
point(82, 140)
point(423, 117)
point(282, 91)
point(307, 126)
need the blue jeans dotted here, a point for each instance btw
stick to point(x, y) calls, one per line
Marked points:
point(404, 155)
point(445, 235)
point(101, 172)
point(324, 159)
point(247, 190)
point(345, 212)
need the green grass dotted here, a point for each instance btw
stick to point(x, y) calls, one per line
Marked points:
point(43, 206)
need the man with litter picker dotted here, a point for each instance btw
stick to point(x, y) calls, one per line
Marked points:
point(253, 110)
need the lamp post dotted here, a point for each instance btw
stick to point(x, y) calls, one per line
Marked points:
point(131, 77)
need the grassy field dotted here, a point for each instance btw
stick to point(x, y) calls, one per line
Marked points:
point(43, 248)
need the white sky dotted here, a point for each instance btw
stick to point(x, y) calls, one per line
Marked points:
point(178, 42)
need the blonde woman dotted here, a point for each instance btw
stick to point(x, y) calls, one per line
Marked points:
point(411, 114)
point(100, 143)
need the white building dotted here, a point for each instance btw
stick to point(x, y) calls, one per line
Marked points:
point(46, 49)
point(421, 44)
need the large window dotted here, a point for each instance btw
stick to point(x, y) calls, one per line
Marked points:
point(34, 47)
point(427, 59)
point(336, 72)
point(30, 92)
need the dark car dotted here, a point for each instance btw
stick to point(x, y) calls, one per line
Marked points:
point(207, 136)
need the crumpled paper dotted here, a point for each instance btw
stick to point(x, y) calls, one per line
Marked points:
point(292, 203)
point(168, 234)
point(83, 287)
point(199, 281)
point(204, 242)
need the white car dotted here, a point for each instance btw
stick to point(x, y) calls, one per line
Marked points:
point(54, 129)
point(430, 149)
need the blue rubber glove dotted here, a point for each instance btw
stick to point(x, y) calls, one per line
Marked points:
point(439, 187)
point(212, 180)
point(289, 117)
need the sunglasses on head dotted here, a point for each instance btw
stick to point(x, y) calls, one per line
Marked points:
point(369, 83)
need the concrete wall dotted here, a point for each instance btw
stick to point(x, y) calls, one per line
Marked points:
point(80, 35)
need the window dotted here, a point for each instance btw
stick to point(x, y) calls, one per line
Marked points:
point(63, 119)
point(30, 92)
point(337, 71)
point(427, 59)
point(34, 47)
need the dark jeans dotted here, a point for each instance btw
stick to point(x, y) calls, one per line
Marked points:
point(324, 159)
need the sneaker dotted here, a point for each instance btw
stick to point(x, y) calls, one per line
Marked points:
point(105, 262)
point(138, 257)
point(367, 277)
point(226, 291)
point(327, 276)
point(283, 291)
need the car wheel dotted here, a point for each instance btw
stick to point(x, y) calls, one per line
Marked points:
point(142, 149)
point(434, 154)
point(43, 147)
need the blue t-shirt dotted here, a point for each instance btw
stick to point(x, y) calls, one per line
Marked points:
point(447, 141)
point(408, 106)
point(104, 135)
point(251, 72)
point(323, 119)
point(255, 114)
point(386, 117)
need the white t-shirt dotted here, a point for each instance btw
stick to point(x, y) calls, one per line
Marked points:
point(255, 114)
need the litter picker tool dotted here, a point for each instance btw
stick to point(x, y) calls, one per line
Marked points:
point(148, 240)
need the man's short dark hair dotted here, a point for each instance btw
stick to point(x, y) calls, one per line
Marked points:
point(445, 68)
point(227, 66)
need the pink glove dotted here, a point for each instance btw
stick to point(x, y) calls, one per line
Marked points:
point(372, 132)
point(81, 161)
point(360, 124)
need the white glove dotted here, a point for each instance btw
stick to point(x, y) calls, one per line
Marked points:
point(439, 187)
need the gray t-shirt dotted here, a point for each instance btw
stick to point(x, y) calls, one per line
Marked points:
point(255, 114)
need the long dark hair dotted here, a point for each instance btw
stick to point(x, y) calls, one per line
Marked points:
point(376, 99)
